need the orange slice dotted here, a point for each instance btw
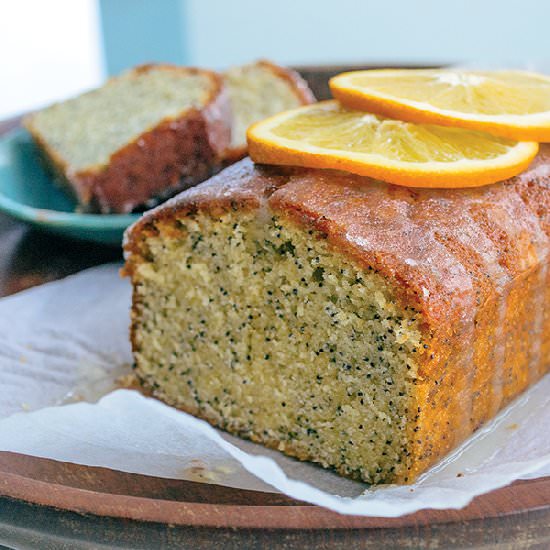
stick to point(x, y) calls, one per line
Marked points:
point(327, 135)
point(513, 104)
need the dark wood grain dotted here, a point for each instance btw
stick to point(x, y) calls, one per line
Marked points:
point(106, 492)
point(29, 257)
point(200, 515)
point(22, 526)
point(114, 508)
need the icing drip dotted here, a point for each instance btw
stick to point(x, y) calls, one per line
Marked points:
point(499, 353)
point(538, 324)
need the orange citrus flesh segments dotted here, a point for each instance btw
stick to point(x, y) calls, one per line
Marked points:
point(327, 135)
point(512, 104)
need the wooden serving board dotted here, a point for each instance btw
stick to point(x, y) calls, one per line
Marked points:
point(106, 492)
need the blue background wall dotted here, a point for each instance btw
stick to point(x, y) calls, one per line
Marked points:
point(52, 49)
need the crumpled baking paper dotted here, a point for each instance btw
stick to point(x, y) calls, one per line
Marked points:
point(64, 345)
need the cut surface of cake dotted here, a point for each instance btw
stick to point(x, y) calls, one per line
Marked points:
point(144, 135)
point(259, 90)
point(365, 327)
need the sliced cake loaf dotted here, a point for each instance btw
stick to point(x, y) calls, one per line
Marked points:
point(158, 129)
point(366, 327)
point(144, 135)
point(257, 91)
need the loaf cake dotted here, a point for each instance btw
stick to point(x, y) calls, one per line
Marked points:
point(148, 133)
point(366, 327)
point(257, 91)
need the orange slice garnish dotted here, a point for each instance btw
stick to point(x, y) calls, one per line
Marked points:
point(513, 104)
point(327, 135)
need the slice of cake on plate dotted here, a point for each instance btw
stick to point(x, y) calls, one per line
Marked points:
point(157, 129)
point(144, 135)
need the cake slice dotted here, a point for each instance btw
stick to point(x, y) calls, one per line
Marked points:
point(257, 91)
point(366, 327)
point(158, 129)
point(143, 136)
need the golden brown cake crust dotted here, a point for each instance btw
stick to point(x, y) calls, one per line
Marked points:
point(176, 154)
point(474, 263)
point(299, 85)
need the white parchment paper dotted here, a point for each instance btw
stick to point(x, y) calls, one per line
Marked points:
point(63, 345)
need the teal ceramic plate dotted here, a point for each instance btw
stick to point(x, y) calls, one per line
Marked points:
point(29, 194)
